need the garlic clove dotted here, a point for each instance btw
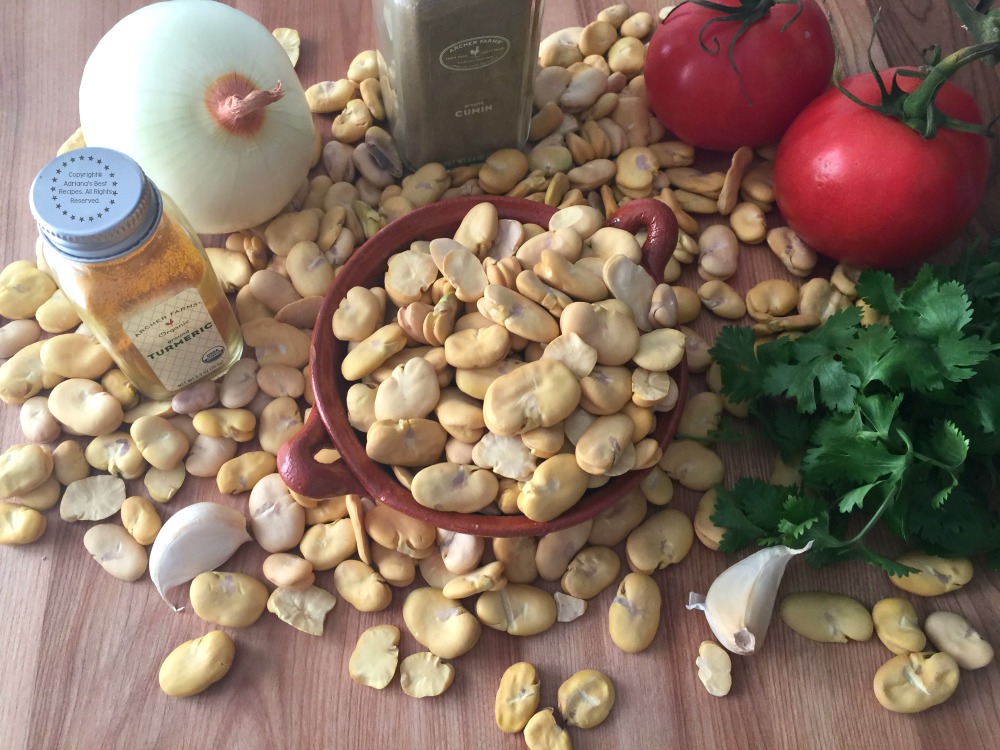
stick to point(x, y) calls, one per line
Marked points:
point(194, 540)
point(740, 601)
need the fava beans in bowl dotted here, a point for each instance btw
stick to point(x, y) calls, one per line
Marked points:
point(492, 366)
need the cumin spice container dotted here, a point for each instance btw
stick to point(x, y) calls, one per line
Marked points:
point(457, 75)
point(135, 271)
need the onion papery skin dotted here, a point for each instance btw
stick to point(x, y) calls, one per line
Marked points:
point(143, 92)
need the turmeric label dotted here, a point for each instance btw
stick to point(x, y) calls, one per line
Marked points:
point(178, 339)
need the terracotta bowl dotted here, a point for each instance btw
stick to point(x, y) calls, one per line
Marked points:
point(327, 422)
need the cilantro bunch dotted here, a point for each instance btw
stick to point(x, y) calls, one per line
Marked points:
point(897, 423)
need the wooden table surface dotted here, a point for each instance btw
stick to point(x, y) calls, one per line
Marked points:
point(79, 650)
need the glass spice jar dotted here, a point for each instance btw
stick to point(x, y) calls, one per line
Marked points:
point(135, 271)
point(456, 75)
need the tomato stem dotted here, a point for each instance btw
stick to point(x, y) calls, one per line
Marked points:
point(747, 13)
point(916, 110)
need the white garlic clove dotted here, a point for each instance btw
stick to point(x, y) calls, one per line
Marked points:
point(739, 603)
point(194, 540)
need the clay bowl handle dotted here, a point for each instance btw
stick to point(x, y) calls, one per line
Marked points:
point(661, 231)
point(304, 474)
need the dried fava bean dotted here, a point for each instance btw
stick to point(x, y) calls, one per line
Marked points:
point(828, 618)
point(556, 485)
point(537, 394)
point(605, 448)
point(281, 380)
point(400, 532)
point(411, 391)
point(161, 444)
point(326, 545)
point(424, 675)
point(910, 683)
point(116, 551)
point(286, 570)
point(117, 454)
point(591, 571)
point(934, 576)
point(163, 485)
point(613, 525)
point(16, 335)
point(662, 539)
point(461, 553)
point(405, 442)
point(896, 625)
point(518, 556)
point(517, 697)
point(702, 415)
point(23, 468)
point(237, 424)
point(208, 454)
point(477, 347)
point(20, 524)
point(279, 421)
point(195, 398)
point(373, 351)
point(634, 616)
point(196, 665)
point(569, 608)
point(557, 548)
point(692, 464)
point(277, 343)
point(517, 314)
point(586, 698)
point(375, 657)
point(506, 456)
point(542, 733)
point(92, 499)
point(439, 624)
point(396, 568)
point(239, 385)
point(517, 609)
point(23, 289)
point(42, 497)
point(487, 578)
point(242, 473)
point(795, 255)
point(704, 528)
point(85, 408)
point(953, 635)
point(722, 299)
point(303, 609)
point(714, 668)
point(68, 462)
point(229, 600)
point(73, 355)
point(22, 376)
point(360, 586)
point(608, 328)
point(433, 570)
point(140, 519)
point(276, 520)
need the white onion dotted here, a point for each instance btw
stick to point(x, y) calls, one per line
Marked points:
point(144, 92)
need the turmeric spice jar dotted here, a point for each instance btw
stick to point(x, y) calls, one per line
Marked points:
point(135, 270)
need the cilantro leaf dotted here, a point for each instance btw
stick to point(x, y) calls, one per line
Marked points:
point(948, 445)
point(741, 372)
point(878, 290)
point(861, 459)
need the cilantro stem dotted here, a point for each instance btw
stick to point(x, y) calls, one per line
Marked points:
point(871, 521)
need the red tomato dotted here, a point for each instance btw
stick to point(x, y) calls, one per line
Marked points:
point(698, 96)
point(866, 189)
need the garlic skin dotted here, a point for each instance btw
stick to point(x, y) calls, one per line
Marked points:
point(194, 540)
point(206, 100)
point(740, 602)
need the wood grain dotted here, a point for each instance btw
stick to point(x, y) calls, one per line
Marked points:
point(80, 651)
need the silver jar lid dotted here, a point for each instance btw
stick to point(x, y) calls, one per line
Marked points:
point(93, 204)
